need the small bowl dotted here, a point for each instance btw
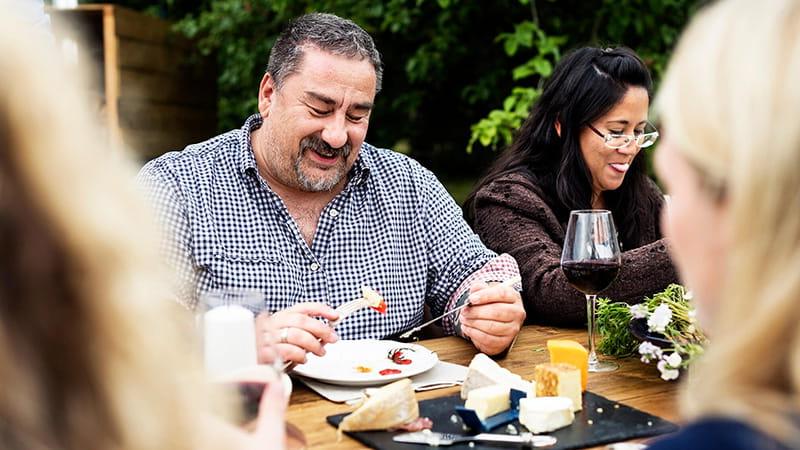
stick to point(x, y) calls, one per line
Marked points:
point(641, 331)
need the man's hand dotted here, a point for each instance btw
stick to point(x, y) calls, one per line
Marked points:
point(494, 317)
point(294, 332)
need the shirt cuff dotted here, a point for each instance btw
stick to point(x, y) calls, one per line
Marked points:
point(497, 269)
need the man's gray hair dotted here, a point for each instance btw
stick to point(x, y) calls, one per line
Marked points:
point(327, 32)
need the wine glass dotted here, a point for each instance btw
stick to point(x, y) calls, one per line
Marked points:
point(591, 260)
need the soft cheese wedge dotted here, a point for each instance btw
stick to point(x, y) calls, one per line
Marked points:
point(570, 352)
point(545, 414)
point(483, 371)
point(488, 400)
point(559, 380)
point(390, 406)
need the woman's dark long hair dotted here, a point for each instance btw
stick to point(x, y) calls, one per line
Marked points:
point(585, 85)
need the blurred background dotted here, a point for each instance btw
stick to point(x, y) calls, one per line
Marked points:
point(460, 76)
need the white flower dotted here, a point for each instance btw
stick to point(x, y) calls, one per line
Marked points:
point(649, 352)
point(638, 311)
point(667, 373)
point(660, 318)
point(674, 360)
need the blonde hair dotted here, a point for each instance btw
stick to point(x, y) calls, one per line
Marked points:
point(93, 354)
point(730, 102)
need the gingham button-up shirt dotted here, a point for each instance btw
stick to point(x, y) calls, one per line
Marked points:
point(394, 227)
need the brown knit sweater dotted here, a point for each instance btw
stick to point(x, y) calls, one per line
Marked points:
point(512, 217)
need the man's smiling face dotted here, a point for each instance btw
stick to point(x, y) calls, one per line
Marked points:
point(315, 123)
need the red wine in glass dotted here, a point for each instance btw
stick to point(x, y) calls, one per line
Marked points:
point(590, 277)
point(590, 261)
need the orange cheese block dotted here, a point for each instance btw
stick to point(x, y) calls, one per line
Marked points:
point(570, 352)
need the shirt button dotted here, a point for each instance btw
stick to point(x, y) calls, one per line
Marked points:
point(314, 267)
point(333, 213)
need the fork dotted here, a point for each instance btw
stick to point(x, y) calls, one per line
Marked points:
point(347, 309)
point(507, 283)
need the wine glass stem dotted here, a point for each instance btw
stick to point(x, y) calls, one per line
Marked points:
point(590, 304)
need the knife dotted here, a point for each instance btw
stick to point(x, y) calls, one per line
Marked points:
point(434, 438)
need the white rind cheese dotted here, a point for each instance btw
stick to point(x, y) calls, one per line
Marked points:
point(545, 414)
point(488, 400)
point(483, 371)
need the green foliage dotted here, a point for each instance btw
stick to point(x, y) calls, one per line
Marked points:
point(448, 63)
point(613, 324)
point(498, 127)
point(650, 27)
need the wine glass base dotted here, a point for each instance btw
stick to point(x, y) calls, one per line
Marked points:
point(603, 366)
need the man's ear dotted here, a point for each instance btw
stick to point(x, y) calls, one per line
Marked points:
point(266, 91)
point(557, 126)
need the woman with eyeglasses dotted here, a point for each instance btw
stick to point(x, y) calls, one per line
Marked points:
point(580, 148)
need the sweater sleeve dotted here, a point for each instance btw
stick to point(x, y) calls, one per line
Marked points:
point(510, 217)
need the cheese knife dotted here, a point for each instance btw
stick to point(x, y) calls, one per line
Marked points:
point(433, 438)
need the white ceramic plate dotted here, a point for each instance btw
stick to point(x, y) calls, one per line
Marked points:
point(359, 363)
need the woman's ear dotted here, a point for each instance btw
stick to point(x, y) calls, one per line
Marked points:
point(557, 126)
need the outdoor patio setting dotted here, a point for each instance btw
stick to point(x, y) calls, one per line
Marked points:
point(401, 224)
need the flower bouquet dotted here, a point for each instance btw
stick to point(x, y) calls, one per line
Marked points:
point(661, 329)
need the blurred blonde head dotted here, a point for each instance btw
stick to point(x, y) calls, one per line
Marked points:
point(730, 104)
point(93, 354)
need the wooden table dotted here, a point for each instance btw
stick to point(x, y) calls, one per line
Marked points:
point(634, 384)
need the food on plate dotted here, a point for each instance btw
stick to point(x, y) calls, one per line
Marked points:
point(374, 299)
point(400, 355)
point(570, 352)
point(363, 369)
point(545, 414)
point(559, 380)
point(488, 400)
point(391, 406)
point(483, 371)
point(385, 372)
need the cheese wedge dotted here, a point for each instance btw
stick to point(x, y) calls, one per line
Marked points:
point(570, 352)
point(488, 400)
point(483, 371)
point(545, 414)
point(559, 380)
point(387, 407)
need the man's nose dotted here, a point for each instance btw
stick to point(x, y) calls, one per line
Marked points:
point(335, 132)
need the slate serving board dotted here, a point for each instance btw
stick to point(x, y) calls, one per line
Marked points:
point(616, 422)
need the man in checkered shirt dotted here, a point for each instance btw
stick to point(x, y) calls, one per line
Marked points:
point(296, 205)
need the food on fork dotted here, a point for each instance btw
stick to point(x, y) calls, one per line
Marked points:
point(393, 406)
point(483, 371)
point(559, 380)
point(570, 352)
point(374, 300)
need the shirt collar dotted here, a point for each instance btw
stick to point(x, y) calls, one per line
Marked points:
point(247, 159)
point(358, 173)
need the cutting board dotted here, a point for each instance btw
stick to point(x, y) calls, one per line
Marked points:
point(601, 421)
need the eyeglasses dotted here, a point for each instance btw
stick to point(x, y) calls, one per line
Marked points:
point(643, 139)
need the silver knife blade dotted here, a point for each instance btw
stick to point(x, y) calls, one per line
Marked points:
point(433, 438)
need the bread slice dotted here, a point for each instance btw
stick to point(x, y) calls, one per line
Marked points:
point(388, 407)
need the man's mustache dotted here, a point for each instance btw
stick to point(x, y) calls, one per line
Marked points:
point(316, 143)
